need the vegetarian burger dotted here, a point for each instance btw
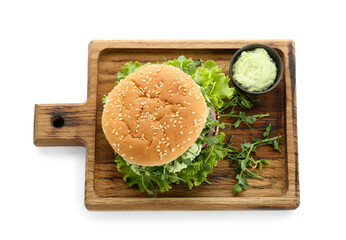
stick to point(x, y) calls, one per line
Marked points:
point(154, 115)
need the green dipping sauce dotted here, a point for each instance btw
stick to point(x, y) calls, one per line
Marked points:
point(255, 70)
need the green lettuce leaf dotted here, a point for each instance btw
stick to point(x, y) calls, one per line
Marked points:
point(214, 83)
point(146, 180)
point(158, 179)
point(104, 99)
point(185, 64)
point(127, 70)
point(214, 86)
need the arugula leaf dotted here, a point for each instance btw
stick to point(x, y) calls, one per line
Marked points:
point(244, 101)
point(267, 131)
point(242, 117)
point(265, 161)
point(242, 181)
point(237, 188)
point(245, 161)
point(237, 123)
point(250, 174)
point(276, 145)
point(212, 140)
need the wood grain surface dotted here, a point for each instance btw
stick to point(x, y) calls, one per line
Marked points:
point(104, 187)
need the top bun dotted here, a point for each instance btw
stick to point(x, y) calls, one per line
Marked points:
point(154, 115)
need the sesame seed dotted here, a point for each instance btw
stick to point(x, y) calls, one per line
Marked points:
point(181, 132)
point(173, 149)
point(130, 147)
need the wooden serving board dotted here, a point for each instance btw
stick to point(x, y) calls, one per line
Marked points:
point(80, 124)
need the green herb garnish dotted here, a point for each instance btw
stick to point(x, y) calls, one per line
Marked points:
point(242, 117)
point(246, 164)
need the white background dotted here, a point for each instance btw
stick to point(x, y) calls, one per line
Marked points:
point(43, 59)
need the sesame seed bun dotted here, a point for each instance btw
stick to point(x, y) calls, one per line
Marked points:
point(154, 115)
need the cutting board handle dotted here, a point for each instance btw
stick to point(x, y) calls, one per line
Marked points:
point(62, 124)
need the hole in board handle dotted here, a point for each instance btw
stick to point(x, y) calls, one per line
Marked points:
point(58, 121)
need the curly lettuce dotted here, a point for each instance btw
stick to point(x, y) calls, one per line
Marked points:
point(197, 162)
point(160, 178)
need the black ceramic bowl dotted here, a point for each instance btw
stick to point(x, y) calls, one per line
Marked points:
point(272, 53)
